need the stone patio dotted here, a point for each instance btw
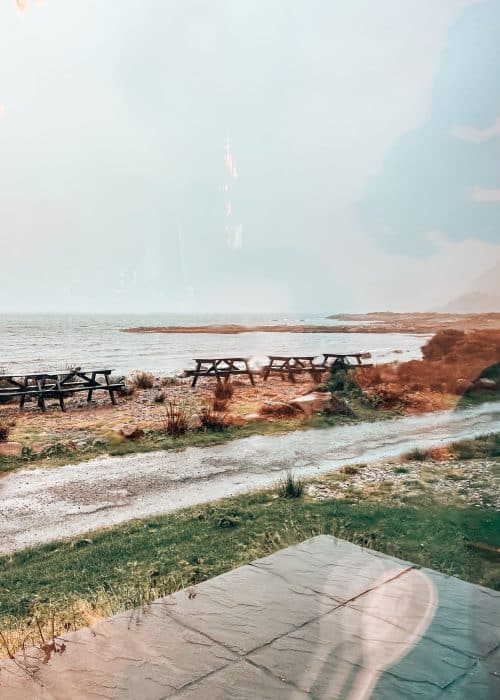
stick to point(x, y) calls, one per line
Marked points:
point(323, 619)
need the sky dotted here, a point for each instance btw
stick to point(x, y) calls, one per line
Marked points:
point(237, 155)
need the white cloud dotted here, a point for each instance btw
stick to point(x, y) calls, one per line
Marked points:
point(477, 136)
point(485, 194)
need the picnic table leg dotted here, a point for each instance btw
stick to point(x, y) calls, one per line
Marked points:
point(22, 399)
point(41, 398)
point(91, 391)
point(252, 380)
point(195, 378)
point(111, 392)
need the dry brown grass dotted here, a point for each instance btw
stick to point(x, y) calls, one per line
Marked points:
point(176, 419)
point(6, 428)
point(452, 361)
point(142, 380)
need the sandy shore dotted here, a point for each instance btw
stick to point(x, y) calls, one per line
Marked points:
point(40, 505)
point(379, 322)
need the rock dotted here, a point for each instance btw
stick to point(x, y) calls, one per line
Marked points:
point(38, 448)
point(484, 383)
point(315, 402)
point(278, 409)
point(84, 542)
point(462, 385)
point(195, 422)
point(252, 417)
point(131, 432)
point(235, 421)
point(11, 449)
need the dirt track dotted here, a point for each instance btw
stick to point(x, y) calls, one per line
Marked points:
point(40, 505)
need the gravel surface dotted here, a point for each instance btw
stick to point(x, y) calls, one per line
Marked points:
point(40, 505)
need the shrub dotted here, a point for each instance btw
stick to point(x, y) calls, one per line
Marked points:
point(350, 470)
point(442, 343)
point(213, 420)
point(290, 486)
point(342, 381)
point(223, 391)
point(220, 405)
point(176, 419)
point(5, 429)
point(338, 406)
point(142, 380)
point(169, 381)
point(417, 455)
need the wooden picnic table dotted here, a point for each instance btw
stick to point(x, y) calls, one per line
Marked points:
point(44, 385)
point(289, 365)
point(220, 368)
point(335, 360)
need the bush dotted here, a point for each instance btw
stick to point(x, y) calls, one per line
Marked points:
point(417, 455)
point(213, 420)
point(223, 391)
point(342, 381)
point(142, 380)
point(176, 420)
point(290, 486)
point(5, 429)
point(220, 405)
point(169, 381)
point(350, 470)
point(442, 344)
point(338, 406)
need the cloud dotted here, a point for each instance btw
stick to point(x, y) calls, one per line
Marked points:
point(428, 180)
point(485, 194)
point(477, 136)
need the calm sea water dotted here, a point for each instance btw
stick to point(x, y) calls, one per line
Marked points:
point(51, 342)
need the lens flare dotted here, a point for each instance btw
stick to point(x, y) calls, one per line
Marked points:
point(233, 232)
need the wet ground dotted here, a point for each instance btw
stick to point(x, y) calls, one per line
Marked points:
point(40, 505)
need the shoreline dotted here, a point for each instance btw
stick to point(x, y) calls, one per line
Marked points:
point(377, 322)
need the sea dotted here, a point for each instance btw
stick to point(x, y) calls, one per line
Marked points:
point(52, 342)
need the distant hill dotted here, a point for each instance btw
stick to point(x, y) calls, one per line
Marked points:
point(474, 303)
point(484, 296)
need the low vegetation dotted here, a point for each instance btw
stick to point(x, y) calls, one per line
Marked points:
point(142, 380)
point(213, 420)
point(453, 364)
point(291, 486)
point(75, 583)
point(176, 420)
point(5, 430)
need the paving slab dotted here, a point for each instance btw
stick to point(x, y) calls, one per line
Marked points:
point(323, 619)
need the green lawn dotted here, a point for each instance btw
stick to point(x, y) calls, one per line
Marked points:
point(118, 568)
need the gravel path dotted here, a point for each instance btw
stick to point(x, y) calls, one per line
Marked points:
point(40, 505)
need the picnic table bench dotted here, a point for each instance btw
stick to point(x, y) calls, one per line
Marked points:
point(220, 368)
point(351, 360)
point(44, 385)
point(289, 365)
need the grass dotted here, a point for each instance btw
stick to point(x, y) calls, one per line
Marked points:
point(291, 487)
point(122, 567)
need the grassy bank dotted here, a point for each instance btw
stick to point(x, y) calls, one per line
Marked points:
point(119, 568)
point(155, 440)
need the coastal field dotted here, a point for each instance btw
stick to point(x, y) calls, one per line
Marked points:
point(435, 507)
